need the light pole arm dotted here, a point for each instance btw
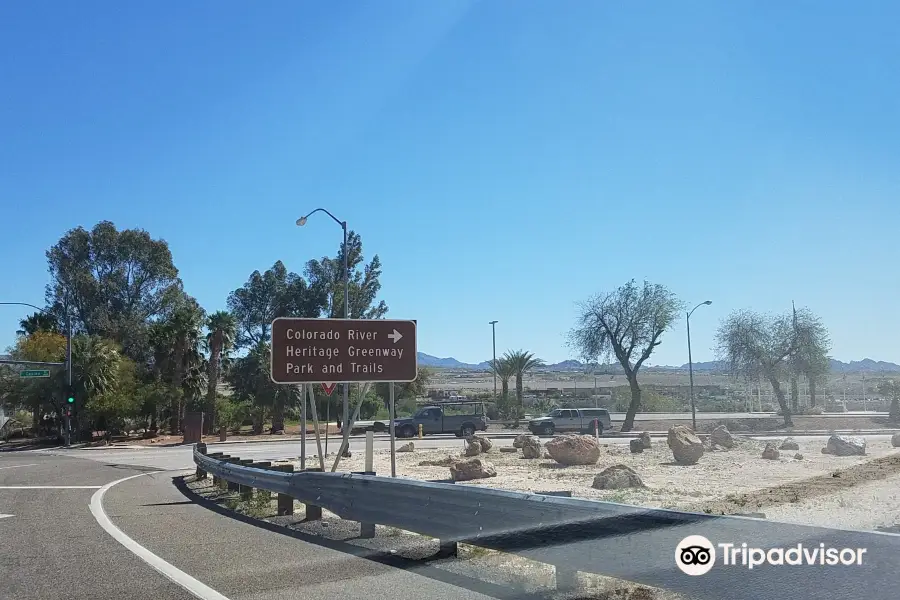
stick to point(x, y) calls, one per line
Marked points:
point(327, 212)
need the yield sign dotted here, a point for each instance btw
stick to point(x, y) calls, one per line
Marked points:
point(328, 387)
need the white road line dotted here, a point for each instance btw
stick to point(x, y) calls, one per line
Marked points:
point(18, 466)
point(49, 487)
point(173, 573)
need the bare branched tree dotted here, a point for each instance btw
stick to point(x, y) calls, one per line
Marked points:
point(774, 347)
point(626, 323)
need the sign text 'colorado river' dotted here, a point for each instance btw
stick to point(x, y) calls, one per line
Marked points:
point(342, 350)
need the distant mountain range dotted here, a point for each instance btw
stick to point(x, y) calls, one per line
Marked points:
point(866, 365)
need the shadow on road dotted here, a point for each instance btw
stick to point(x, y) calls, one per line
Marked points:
point(419, 567)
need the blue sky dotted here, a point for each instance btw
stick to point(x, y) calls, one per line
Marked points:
point(506, 159)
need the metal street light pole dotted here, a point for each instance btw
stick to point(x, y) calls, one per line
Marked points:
point(68, 355)
point(493, 325)
point(301, 222)
point(691, 363)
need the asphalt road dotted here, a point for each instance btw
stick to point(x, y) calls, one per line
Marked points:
point(56, 544)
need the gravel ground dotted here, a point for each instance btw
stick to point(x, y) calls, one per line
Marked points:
point(723, 482)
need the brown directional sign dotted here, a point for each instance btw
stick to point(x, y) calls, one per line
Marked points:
point(342, 350)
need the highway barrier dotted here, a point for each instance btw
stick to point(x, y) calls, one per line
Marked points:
point(627, 542)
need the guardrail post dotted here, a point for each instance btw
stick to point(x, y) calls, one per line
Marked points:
point(201, 448)
point(245, 491)
point(265, 464)
point(447, 549)
point(421, 435)
point(217, 456)
point(232, 485)
point(313, 512)
point(566, 579)
point(285, 502)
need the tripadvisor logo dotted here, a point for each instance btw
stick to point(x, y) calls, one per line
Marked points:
point(696, 555)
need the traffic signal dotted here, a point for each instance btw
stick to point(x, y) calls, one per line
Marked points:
point(71, 399)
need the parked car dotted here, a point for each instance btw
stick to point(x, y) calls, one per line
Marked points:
point(461, 418)
point(566, 420)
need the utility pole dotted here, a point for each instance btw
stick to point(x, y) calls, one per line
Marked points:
point(493, 325)
point(691, 363)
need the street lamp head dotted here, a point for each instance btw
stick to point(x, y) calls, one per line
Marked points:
point(708, 302)
point(301, 221)
point(493, 322)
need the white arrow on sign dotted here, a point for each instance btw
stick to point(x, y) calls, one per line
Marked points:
point(395, 336)
point(5, 516)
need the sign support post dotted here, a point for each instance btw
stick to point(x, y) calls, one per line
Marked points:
point(302, 427)
point(315, 416)
point(393, 433)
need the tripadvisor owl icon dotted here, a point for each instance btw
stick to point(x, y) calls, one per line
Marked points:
point(695, 555)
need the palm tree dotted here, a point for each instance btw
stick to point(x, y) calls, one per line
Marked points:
point(185, 325)
point(38, 321)
point(95, 369)
point(504, 370)
point(522, 362)
point(222, 328)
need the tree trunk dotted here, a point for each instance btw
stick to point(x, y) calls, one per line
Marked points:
point(177, 379)
point(213, 378)
point(278, 414)
point(504, 393)
point(894, 414)
point(782, 402)
point(519, 397)
point(635, 402)
point(812, 392)
point(795, 394)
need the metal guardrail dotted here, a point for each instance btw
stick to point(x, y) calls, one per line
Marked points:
point(632, 543)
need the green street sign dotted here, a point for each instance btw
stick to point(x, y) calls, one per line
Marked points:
point(35, 373)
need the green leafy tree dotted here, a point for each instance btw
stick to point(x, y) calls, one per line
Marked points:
point(266, 296)
point(891, 389)
point(112, 283)
point(327, 282)
point(522, 362)
point(628, 324)
point(220, 339)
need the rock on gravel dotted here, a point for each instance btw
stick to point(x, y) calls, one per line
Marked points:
point(798, 456)
point(895, 440)
point(441, 462)
point(645, 439)
point(408, 447)
point(617, 477)
point(531, 447)
point(845, 445)
point(770, 452)
point(473, 449)
point(789, 444)
point(636, 445)
point(474, 468)
point(520, 439)
point(686, 447)
point(482, 441)
point(574, 449)
point(720, 436)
